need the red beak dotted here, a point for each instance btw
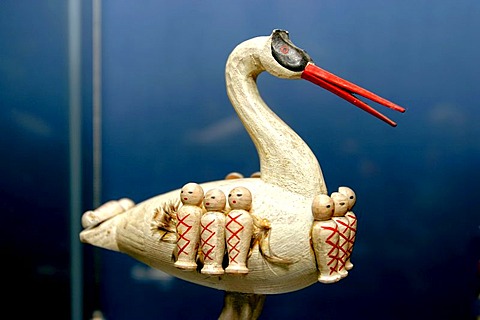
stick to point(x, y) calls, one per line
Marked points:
point(346, 90)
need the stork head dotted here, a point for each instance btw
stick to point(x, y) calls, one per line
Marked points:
point(281, 58)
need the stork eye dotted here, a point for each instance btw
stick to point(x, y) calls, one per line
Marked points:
point(286, 53)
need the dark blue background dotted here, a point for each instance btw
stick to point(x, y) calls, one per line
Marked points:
point(167, 120)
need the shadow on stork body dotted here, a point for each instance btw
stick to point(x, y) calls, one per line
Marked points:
point(290, 179)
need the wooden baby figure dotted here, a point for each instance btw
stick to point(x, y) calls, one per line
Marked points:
point(213, 232)
point(341, 208)
point(188, 226)
point(238, 230)
point(325, 238)
point(352, 222)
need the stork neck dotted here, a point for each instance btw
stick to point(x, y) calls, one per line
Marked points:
point(285, 159)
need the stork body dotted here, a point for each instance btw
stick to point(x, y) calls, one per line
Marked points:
point(290, 216)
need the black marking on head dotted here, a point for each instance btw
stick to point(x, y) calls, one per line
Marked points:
point(286, 53)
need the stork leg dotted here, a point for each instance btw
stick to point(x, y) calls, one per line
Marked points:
point(242, 306)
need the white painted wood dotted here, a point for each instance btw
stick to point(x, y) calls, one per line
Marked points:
point(213, 232)
point(325, 239)
point(188, 226)
point(352, 222)
point(238, 230)
point(341, 208)
point(290, 177)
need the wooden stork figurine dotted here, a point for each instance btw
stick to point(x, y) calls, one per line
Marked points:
point(281, 258)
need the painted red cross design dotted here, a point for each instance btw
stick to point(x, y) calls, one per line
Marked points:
point(353, 231)
point(333, 262)
point(183, 235)
point(206, 243)
point(353, 222)
point(233, 251)
point(342, 250)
